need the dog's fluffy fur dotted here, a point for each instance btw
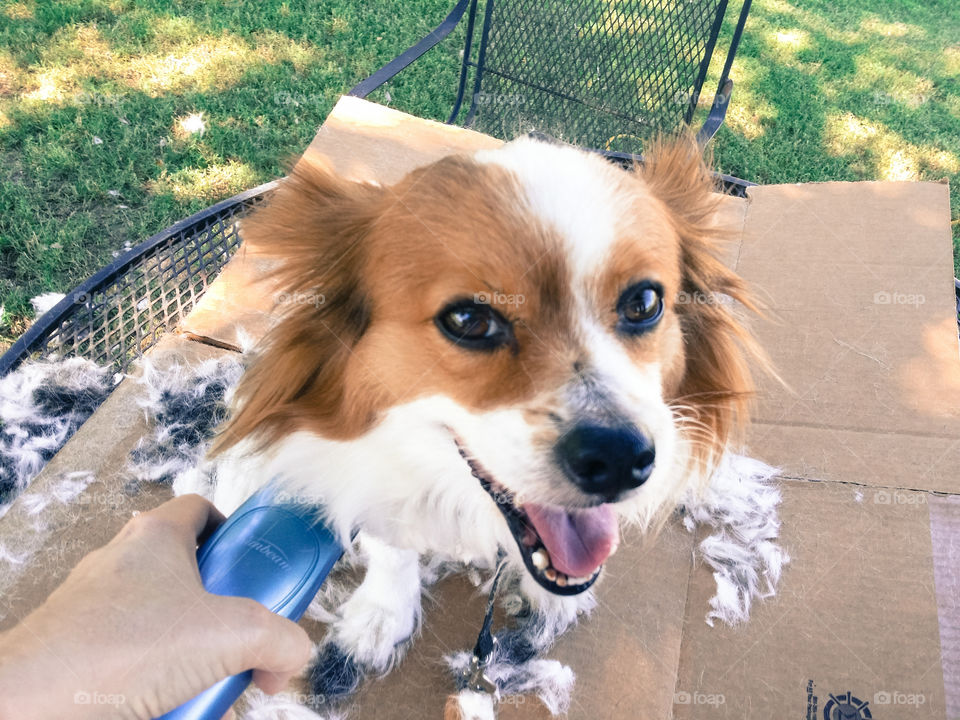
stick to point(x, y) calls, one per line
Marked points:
point(358, 402)
point(41, 406)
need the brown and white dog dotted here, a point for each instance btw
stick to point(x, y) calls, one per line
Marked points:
point(514, 350)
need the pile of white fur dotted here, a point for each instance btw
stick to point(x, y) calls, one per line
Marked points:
point(41, 405)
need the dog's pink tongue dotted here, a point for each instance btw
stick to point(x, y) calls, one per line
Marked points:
point(578, 540)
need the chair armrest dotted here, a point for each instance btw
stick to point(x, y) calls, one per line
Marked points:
point(388, 71)
point(717, 112)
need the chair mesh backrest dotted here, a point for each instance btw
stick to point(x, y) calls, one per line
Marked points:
point(123, 315)
point(597, 73)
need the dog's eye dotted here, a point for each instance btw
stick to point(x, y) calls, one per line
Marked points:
point(640, 307)
point(474, 325)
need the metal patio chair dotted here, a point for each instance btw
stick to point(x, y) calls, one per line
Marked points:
point(605, 75)
point(599, 74)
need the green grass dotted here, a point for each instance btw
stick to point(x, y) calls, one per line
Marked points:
point(92, 93)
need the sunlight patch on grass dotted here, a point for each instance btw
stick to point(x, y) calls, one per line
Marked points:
point(9, 74)
point(169, 31)
point(951, 60)
point(273, 48)
point(207, 184)
point(742, 120)
point(90, 42)
point(18, 11)
point(883, 153)
point(785, 43)
point(887, 29)
point(202, 64)
point(793, 38)
point(898, 165)
point(805, 17)
point(895, 84)
point(749, 111)
point(777, 6)
point(50, 85)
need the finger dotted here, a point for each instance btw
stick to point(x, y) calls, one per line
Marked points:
point(195, 515)
point(269, 643)
point(270, 682)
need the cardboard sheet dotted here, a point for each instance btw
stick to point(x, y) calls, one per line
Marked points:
point(62, 533)
point(858, 278)
point(856, 612)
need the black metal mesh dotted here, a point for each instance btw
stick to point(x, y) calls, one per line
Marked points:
point(596, 73)
point(956, 288)
point(116, 319)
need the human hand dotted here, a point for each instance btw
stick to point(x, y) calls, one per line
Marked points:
point(131, 633)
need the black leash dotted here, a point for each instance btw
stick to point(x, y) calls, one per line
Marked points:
point(473, 677)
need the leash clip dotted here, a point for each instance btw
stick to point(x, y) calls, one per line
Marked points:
point(474, 677)
point(477, 680)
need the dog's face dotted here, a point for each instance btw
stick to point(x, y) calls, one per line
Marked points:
point(535, 290)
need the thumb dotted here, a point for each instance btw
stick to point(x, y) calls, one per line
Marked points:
point(275, 647)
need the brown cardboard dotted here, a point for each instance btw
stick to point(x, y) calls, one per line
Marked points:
point(634, 631)
point(869, 440)
point(67, 532)
point(856, 611)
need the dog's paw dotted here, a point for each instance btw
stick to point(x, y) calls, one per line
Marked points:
point(374, 633)
point(384, 612)
point(333, 676)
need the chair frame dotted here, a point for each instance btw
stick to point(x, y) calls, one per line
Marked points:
point(149, 325)
point(718, 109)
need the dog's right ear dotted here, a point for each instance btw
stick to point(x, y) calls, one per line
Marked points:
point(314, 225)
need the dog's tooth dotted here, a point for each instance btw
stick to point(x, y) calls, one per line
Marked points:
point(577, 580)
point(550, 574)
point(540, 559)
point(561, 580)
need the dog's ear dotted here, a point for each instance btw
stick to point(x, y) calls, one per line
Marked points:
point(716, 388)
point(314, 226)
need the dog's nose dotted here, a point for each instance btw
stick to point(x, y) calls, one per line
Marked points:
point(606, 460)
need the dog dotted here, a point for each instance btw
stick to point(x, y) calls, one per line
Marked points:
point(506, 354)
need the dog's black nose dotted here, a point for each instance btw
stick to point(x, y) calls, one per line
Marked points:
point(606, 460)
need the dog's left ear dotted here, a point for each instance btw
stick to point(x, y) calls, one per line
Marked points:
point(717, 385)
point(315, 226)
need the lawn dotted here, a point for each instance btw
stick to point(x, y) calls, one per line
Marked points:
point(117, 117)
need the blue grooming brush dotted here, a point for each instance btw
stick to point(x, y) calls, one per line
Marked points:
point(274, 552)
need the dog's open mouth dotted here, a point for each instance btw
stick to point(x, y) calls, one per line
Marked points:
point(564, 549)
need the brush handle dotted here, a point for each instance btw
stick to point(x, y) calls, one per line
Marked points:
point(275, 553)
